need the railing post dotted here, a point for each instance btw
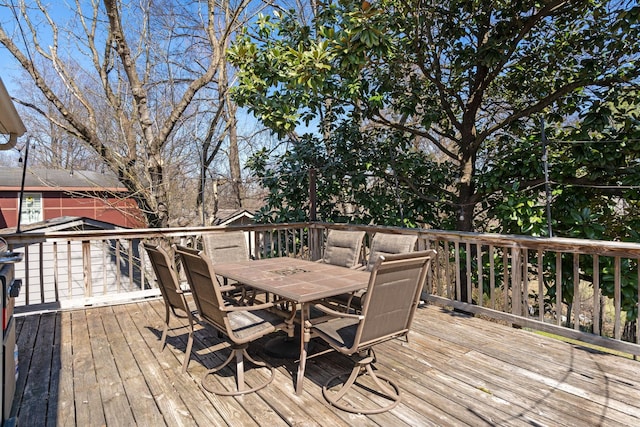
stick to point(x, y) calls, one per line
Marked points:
point(576, 293)
point(86, 267)
point(516, 282)
point(315, 242)
point(480, 300)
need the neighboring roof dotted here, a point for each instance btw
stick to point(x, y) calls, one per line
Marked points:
point(64, 223)
point(10, 122)
point(227, 216)
point(58, 179)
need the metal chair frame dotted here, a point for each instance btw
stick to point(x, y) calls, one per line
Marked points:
point(389, 305)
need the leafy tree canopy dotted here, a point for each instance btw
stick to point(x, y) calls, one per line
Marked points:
point(429, 112)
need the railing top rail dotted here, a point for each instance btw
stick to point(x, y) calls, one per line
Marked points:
point(554, 244)
point(138, 233)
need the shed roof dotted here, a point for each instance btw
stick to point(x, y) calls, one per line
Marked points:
point(228, 216)
point(58, 180)
point(64, 223)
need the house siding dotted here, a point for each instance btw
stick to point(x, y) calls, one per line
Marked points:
point(107, 208)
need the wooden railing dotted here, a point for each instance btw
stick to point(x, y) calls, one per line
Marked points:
point(508, 278)
point(80, 268)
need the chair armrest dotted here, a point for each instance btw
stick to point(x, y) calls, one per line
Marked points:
point(256, 307)
point(334, 313)
point(227, 288)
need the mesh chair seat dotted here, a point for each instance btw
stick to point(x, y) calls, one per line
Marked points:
point(246, 325)
point(341, 332)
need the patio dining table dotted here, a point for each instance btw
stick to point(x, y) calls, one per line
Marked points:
point(300, 281)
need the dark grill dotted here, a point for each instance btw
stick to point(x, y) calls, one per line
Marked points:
point(9, 356)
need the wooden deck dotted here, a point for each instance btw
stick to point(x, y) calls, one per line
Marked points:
point(101, 366)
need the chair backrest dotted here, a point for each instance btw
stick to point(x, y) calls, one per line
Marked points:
point(392, 296)
point(226, 247)
point(343, 248)
point(204, 287)
point(390, 244)
point(166, 275)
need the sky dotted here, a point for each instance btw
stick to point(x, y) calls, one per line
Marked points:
point(11, 72)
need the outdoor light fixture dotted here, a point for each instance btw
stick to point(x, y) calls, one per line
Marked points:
point(24, 174)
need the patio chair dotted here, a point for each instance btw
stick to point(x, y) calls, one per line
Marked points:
point(390, 244)
point(381, 244)
point(225, 247)
point(388, 308)
point(175, 301)
point(229, 246)
point(344, 248)
point(241, 324)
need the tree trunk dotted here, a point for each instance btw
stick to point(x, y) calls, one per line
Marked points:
point(466, 205)
point(237, 196)
point(234, 159)
point(135, 109)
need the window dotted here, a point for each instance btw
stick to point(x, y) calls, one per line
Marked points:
point(31, 208)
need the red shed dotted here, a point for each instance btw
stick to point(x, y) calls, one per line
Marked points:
point(52, 193)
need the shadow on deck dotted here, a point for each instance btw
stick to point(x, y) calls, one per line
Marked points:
point(102, 366)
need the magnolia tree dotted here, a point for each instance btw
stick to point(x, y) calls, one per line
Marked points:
point(418, 104)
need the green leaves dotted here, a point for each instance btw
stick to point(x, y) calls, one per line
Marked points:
point(288, 66)
point(449, 95)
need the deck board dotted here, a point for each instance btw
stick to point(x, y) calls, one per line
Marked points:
point(86, 393)
point(39, 363)
point(62, 413)
point(156, 368)
point(103, 366)
point(563, 373)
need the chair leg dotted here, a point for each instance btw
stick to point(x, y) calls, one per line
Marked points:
point(165, 329)
point(163, 339)
point(239, 370)
point(385, 388)
point(187, 354)
point(239, 353)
